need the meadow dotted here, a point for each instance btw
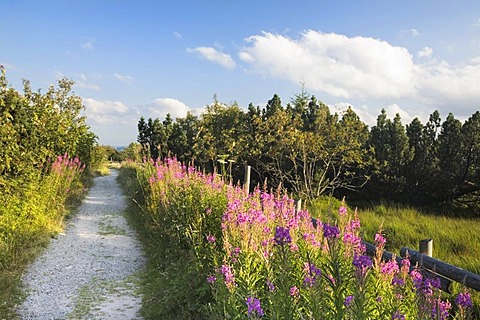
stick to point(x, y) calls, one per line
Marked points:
point(217, 253)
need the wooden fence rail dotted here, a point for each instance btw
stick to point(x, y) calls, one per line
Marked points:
point(445, 283)
point(432, 267)
point(444, 269)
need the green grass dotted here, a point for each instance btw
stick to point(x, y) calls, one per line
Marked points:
point(91, 296)
point(455, 240)
point(28, 220)
point(107, 227)
point(170, 283)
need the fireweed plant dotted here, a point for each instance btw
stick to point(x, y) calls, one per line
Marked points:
point(260, 258)
point(39, 208)
point(31, 213)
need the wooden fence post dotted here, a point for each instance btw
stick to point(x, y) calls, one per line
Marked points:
point(426, 247)
point(298, 206)
point(247, 179)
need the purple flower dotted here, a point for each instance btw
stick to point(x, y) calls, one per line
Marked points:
point(440, 309)
point(211, 238)
point(352, 240)
point(362, 263)
point(294, 292)
point(330, 232)
point(389, 267)
point(234, 254)
point(417, 278)
point(211, 279)
point(270, 286)
point(228, 275)
point(342, 211)
point(254, 307)
point(398, 282)
point(463, 300)
point(398, 316)
point(312, 274)
point(380, 240)
point(348, 301)
point(282, 236)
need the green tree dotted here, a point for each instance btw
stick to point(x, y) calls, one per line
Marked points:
point(182, 138)
point(221, 131)
point(392, 153)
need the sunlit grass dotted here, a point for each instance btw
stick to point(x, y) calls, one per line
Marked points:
point(455, 240)
point(29, 217)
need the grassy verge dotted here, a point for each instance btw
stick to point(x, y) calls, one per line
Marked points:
point(171, 282)
point(29, 217)
point(151, 278)
point(173, 287)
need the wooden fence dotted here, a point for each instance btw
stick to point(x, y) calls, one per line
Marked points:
point(431, 267)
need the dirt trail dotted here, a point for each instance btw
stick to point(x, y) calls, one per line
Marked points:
point(91, 271)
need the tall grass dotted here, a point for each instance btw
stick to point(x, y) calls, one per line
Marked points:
point(175, 214)
point(222, 254)
point(455, 240)
point(32, 213)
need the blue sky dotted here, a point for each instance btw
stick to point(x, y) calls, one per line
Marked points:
point(146, 58)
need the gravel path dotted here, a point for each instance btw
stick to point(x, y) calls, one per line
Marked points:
point(90, 271)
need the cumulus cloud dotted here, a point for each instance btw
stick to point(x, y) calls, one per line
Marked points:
point(116, 123)
point(123, 78)
point(159, 108)
point(104, 112)
point(363, 68)
point(214, 55)
point(426, 52)
point(335, 64)
point(456, 86)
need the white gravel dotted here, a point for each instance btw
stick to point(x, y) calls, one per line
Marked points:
point(91, 271)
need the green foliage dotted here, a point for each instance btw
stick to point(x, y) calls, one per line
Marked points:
point(35, 182)
point(260, 257)
point(174, 220)
point(312, 152)
point(131, 153)
point(28, 218)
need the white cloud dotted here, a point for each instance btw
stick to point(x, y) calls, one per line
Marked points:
point(476, 23)
point(177, 35)
point(334, 64)
point(426, 52)
point(394, 109)
point(413, 32)
point(453, 86)
point(123, 78)
point(359, 68)
point(214, 55)
point(105, 112)
point(83, 82)
point(159, 108)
